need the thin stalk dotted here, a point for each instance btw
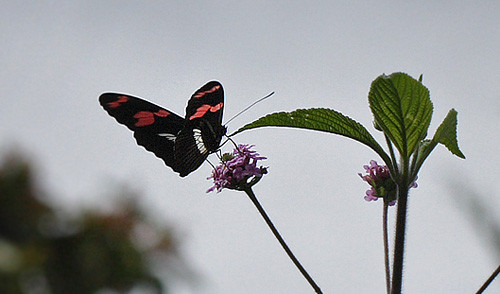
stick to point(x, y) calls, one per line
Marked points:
point(488, 282)
point(386, 246)
point(289, 252)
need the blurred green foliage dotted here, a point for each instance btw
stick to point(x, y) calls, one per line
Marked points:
point(44, 252)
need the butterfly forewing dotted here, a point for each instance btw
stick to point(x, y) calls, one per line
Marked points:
point(207, 104)
point(203, 128)
point(155, 128)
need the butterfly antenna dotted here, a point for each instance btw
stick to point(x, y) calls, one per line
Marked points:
point(250, 106)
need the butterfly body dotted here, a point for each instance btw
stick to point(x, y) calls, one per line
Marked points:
point(182, 143)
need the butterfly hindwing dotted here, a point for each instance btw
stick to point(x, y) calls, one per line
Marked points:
point(154, 127)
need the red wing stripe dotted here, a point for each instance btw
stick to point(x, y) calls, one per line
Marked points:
point(146, 118)
point(162, 113)
point(202, 110)
point(216, 107)
point(118, 102)
point(201, 94)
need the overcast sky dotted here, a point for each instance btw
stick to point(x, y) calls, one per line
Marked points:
point(57, 57)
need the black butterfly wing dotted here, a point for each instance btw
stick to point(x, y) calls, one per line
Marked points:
point(203, 130)
point(207, 104)
point(154, 127)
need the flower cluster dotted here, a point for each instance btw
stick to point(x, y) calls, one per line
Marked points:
point(382, 185)
point(238, 170)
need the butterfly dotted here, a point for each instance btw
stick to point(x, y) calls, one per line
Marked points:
point(182, 143)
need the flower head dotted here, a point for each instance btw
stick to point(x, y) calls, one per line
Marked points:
point(382, 185)
point(238, 170)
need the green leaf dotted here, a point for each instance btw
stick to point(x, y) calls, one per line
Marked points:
point(319, 119)
point(402, 109)
point(446, 134)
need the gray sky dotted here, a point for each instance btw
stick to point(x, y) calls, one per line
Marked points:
point(59, 56)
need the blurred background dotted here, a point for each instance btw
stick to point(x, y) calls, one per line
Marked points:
point(45, 250)
point(82, 206)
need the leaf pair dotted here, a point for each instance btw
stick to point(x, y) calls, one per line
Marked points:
point(401, 108)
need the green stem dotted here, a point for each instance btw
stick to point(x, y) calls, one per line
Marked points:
point(397, 267)
point(281, 241)
point(386, 247)
point(393, 164)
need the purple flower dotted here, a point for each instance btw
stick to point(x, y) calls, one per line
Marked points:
point(371, 195)
point(376, 173)
point(379, 178)
point(414, 183)
point(238, 169)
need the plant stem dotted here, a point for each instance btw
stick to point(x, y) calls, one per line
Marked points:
point(393, 164)
point(386, 246)
point(397, 267)
point(488, 282)
point(281, 241)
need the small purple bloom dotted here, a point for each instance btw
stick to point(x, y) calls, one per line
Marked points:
point(414, 183)
point(238, 169)
point(376, 173)
point(371, 195)
point(379, 178)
